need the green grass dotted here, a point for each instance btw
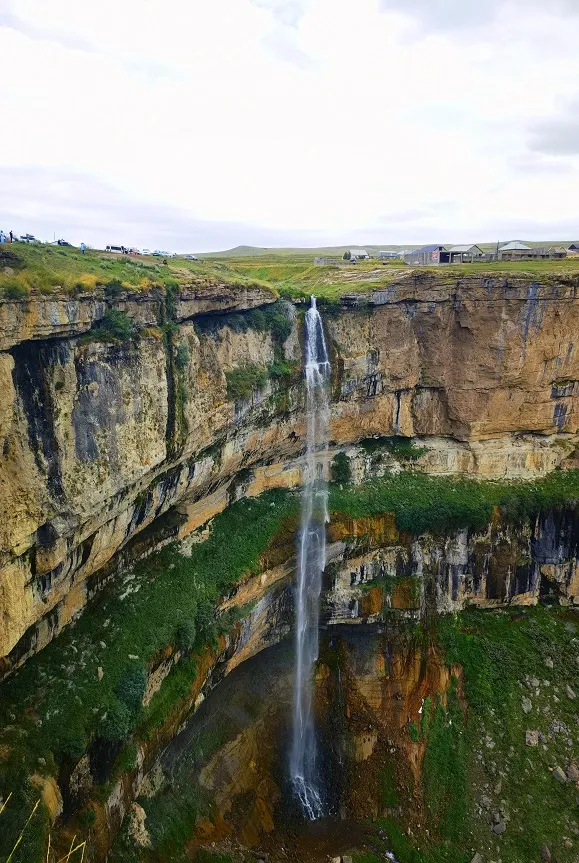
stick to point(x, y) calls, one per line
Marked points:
point(430, 503)
point(478, 739)
point(445, 770)
point(44, 269)
point(27, 270)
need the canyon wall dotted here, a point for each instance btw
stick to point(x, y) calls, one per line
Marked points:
point(104, 440)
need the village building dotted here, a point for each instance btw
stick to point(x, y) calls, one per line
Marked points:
point(359, 255)
point(550, 252)
point(386, 255)
point(428, 255)
point(516, 251)
point(326, 262)
point(462, 254)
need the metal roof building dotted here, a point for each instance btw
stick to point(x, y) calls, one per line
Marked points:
point(514, 246)
point(428, 255)
point(459, 254)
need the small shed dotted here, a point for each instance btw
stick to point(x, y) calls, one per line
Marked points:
point(460, 254)
point(359, 255)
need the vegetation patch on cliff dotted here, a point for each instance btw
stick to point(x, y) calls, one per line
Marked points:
point(424, 503)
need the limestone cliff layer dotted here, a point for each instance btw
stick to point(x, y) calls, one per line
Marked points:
point(101, 439)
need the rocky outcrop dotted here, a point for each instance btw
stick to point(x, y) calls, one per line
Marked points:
point(103, 441)
point(504, 565)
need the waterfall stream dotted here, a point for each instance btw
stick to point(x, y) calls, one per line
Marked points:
point(311, 558)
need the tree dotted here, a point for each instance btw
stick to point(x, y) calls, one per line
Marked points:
point(347, 256)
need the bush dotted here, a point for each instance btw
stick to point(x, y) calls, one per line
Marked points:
point(72, 741)
point(114, 326)
point(14, 289)
point(117, 723)
point(114, 288)
point(131, 689)
point(185, 636)
point(401, 447)
point(87, 818)
point(243, 381)
point(340, 470)
point(206, 623)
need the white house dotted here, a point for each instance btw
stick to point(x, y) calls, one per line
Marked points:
point(359, 255)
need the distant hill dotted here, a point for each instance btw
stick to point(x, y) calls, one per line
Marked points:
point(330, 251)
point(338, 251)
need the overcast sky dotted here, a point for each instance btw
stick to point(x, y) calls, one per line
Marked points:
point(197, 125)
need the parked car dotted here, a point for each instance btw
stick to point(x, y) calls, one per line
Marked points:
point(146, 252)
point(191, 257)
point(63, 243)
point(158, 254)
point(28, 238)
point(118, 250)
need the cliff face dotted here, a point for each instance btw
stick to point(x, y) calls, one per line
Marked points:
point(100, 439)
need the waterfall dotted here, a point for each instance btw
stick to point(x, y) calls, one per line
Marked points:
point(311, 559)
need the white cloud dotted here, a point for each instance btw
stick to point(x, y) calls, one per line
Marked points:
point(258, 120)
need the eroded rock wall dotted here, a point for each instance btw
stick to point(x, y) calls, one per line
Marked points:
point(100, 439)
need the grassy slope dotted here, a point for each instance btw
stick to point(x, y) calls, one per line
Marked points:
point(55, 270)
point(42, 269)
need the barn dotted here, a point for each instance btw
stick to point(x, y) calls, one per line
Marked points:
point(428, 255)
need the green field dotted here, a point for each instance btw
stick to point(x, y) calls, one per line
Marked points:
point(50, 270)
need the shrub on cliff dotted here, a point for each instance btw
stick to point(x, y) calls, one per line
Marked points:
point(14, 289)
point(243, 381)
point(185, 636)
point(117, 723)
point(131, 689)
point(340, 470)
point(116, 324)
